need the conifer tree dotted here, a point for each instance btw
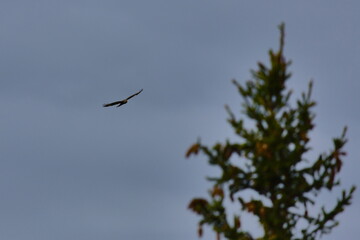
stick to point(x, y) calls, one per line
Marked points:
point(269, 160)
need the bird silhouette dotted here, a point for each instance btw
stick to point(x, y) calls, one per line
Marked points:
point(122, 102)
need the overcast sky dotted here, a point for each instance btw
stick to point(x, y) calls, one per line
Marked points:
point(71, 169)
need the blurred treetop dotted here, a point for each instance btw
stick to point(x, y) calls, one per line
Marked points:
point(269, 160)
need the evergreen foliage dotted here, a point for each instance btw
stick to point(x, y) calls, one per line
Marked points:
point(273, 164)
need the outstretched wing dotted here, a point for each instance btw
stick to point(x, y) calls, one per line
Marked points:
point(122, 102)
point(112, 104)
point(135, 94)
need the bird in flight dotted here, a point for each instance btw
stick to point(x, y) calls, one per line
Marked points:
point(122, 102)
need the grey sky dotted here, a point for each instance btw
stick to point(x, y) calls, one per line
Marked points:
point(71, 169)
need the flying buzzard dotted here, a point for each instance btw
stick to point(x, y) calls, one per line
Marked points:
point(122, 102)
